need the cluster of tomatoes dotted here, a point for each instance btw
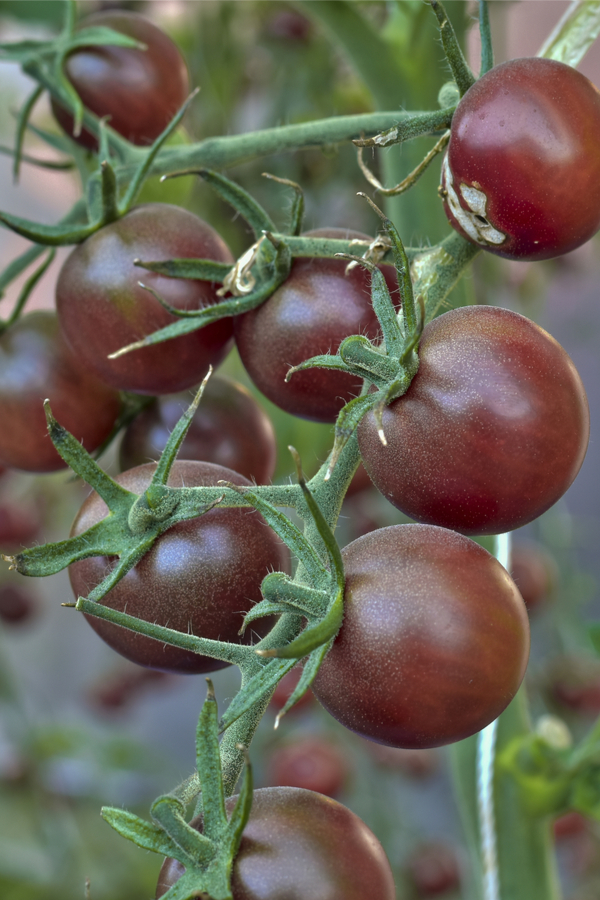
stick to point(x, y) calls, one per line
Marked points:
point(491, 432)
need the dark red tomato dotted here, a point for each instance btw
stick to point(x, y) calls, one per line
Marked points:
point(101, 306)
point(434, 642)
point(229, 428)
point(298, 845)
point(20, 524)
point(492, 430)
point(16, 605)
point(117, 693)
point(312, 763)
point(569, 824)
point(522, 173)
point(141, 90)
point(533, 571)
point(434, 870)
point(200, 576)
point(35, 364)
point(310, 314)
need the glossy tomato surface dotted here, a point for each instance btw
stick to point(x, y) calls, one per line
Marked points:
point(200, 576)
point(298, 845)
point(35, 364)
point(229, 428)
point(522, 173)
point(101, 306)
point(141, 90)
point(434, 642)
point(310, 314)
point(492, 430)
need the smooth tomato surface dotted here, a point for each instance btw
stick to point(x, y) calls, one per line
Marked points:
point(298, 845)
point(141, 90)
point(522, 172)
point(434, 642)
point(310, 314)
point(101, 306)
point(492, 430)
point(229, 428)
point(200, 576)
point(35, 364)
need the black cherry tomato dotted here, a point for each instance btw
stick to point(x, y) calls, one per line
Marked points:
point(101, 306)
point(200, 576)
point(434, 642)
point(141, 90)
point(299, 845)
point(521, 177)
point(492, 430)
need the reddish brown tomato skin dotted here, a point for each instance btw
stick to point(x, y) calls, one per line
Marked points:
point(35, 364)
point(434, 642)
point(141, 90)
point(492, 430)
point(229, 428)
point(200, 576)
point(101, 306)
point(310, 314)
point(298, 845)
point(312, 763)
point(526, 135)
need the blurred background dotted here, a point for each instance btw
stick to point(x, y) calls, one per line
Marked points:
point(80, 727)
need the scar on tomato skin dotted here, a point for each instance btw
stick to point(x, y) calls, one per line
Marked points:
point(473, 221)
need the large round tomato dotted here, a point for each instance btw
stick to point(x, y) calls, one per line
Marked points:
point(141, 90)
point(522, 173)
point(35, 364)
point(101, 306)
point(310, 314)
point(229, 428)
point(434, 642)
point(298, 845)
point(199, 577)
point(492, 430)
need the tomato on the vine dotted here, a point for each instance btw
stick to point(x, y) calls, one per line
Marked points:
point(492, 430)
point(229, 428)
point(139, 89)
point(35, 364)
point(101, 306)
point(309, 314)
point(521, 177)
point(299, 845)
point(313, 763)
point(434, 642)
point(199, 577)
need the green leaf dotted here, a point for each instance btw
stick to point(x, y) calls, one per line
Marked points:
point(243, 203)
point(309, 672)
point(198, 269)
point(144, 834)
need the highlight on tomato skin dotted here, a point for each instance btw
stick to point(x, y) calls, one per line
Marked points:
point(140, 90)
point(102, 308)
point(199, 577)
point(300, 845)
point(434, 642)
point(521, 176)
point(492, 430)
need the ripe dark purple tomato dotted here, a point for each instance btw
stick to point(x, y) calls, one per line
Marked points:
point(141, 90)
point(434, 642)
point(310, 314)
point(16, 605)
point(312, 763)
point(200, 576)
point(101, 306)
point(533, 571)
point(35, 364)
point(521, 177)
point(298, 845)
point(492, 430)
point(229, 428)
point(434, 870)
